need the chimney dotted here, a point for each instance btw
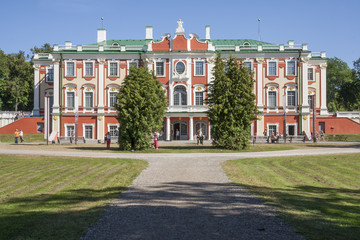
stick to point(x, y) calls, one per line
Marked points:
point(207, 30)
point(101, 35)
point(149, 33)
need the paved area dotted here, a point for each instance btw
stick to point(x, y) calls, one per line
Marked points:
point(187, 196)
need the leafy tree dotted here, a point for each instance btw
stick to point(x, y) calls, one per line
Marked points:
point(17, 84)
point(141, 107)
point(343, 88)
point(231, 104)
point(46, 48)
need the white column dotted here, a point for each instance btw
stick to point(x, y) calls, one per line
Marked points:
point(259, 74)
point(56, 88)
point(323, 107)
point(305, 89)
point(101, 85)
point(168, 130)
point(36, 110)
point(209, 133)
point(191, 132)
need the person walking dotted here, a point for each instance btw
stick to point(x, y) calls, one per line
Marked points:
point(108, 140)
point(156, 140)
point(21, 135)
point(16, 134)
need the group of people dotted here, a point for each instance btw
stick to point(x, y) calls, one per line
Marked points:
point(19, 115)
point(19, 134)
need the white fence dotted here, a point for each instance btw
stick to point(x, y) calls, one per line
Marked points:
point(8, 117)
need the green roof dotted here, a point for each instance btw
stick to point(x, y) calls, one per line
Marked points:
point(227, 42)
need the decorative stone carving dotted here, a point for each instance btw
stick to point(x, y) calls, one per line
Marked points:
point(260, 60)
point(323, 65)
point(180, 30)
point(101, 61)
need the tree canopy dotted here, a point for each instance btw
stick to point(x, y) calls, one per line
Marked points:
point(231, 104)
point(343, 85)
point(141, 107)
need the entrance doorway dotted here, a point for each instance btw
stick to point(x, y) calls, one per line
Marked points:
point(322, 127)
point(203, 126)
point(180, 130)
point(291, 130)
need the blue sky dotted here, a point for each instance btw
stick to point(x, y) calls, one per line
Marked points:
point(331, 26)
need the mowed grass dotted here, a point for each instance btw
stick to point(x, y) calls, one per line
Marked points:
point(58, 197)
point(319, 195)
point(9, 138)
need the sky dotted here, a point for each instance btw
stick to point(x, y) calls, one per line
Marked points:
point(325, 25)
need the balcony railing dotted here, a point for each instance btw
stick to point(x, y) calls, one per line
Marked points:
point(188, 108)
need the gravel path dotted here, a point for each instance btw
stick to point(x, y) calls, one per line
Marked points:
point(187, 196)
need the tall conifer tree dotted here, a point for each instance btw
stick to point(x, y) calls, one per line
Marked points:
point(141, 107)
point(231, 104)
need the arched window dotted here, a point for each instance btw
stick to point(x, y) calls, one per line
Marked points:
point(180, 96)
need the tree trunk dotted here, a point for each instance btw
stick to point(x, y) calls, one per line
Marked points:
point(16, 104)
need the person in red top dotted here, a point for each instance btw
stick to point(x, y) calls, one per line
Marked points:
point(108, 140)
point(16, 134)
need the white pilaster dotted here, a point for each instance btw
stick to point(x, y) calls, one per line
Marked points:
point(191, 132)
point(323, 107)
point(168, 130)
point(259, 74)
point(209, 131)
point(36, 110)
point(56, 88)
point(305, 88)
point(101, 86)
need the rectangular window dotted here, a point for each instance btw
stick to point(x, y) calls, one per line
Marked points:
point(113, 130)
point(291, 98)
point(160, 69)
point(310, 101)
point(50, 75)
point(70, 131)
point(89, 99)
point(291, 68)
point(89, 132)
point(70, 99)
point(199, 68)
point(89, 69)
point(272, 69)
point(113, 99)
point(310, 74)
point(113, 69)
point(199, 98)
point(248, 66)
point(272, 129)
point(40, 127)
point(70, 69)
point(272, 98)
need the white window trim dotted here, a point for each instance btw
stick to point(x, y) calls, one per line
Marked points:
point(84, 67)
point(178, 74)
point(277, 96)
point(277, 67)
point(110, 91)
point(296, 96)
point(93, 129)
point(313, 74)
point(268, 129)
point(291, 124)
point(252, 64)
point(66, 91)
point(47, 72)
point(131, 61)
point(112, 124)
point(118, 68)
point(203, 61)
point(164, 65)
point(202, 86)
point(66, 73)
point(68, 125)
point(286, 67)
point(84, 100)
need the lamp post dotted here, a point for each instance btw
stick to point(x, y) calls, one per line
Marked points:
point(314, 117)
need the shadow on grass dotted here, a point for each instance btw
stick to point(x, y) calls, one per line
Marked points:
point(317, 212)
point(175, 210)
point(53, 216)
point(335, 145)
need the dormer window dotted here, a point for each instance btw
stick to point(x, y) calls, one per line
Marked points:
point(246, 44)
point(115, 44)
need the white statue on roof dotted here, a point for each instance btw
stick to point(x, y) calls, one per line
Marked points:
point(180, 30)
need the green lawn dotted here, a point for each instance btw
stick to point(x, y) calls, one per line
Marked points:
point(318, 195)
point(27, 137)
point(58, 197)
point(342, 137)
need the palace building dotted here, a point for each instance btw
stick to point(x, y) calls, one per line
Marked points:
point(82, 81)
